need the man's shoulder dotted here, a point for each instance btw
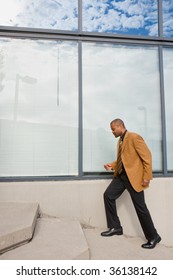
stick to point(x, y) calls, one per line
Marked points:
point(131, 134)
point(135, 138)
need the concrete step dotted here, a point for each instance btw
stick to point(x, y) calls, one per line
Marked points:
point(123, 247)
point(17, 223)
point(54, 239)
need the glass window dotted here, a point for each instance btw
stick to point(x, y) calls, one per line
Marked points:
point(168, 18)
point(121, 17)
point(119, 82)
point(168, 83)
point(47, 14)
point(38, 108)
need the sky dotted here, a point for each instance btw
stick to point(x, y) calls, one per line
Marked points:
point(40, 14)
point(137, 17)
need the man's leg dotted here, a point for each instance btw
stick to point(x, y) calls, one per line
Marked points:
point(143, 214)
point(114, 190)
point(146, 222)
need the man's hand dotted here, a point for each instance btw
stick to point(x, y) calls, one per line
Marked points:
point(145, 183)
point(108, 166)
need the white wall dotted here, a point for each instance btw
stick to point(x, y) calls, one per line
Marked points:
point(84, 200)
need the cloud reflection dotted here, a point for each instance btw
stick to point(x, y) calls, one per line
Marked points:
point(48, 14)
point(168, 18)
point(134, 17)
point(124, 16)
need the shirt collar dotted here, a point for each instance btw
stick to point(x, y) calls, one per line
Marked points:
point(122, 136)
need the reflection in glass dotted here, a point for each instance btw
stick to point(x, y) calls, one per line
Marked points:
point(38, 108)
point(168, 18)
point(121, 17)
point(119, 81)
point(47, 14)
point(168, 74)
point(26, 79)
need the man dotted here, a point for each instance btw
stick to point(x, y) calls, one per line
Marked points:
point(133, 172)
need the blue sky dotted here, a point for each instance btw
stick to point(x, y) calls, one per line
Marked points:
point(123, 16)
point(137, 17)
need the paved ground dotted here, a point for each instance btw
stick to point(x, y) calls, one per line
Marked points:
point(65, 239)
point(53, 239)
point(123, 248)
point(51, 245)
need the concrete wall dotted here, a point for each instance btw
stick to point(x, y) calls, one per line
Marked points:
point(84, 200)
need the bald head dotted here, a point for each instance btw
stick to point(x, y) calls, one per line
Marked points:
point(117, 127)
point(118, 122)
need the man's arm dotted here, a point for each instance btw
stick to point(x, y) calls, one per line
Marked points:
point(146, 157)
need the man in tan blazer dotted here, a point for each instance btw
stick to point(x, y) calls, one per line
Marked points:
point(132, 172)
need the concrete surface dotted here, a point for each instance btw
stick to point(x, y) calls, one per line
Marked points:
point(123, 247)
point(26, 234)
point(17, 223)
point(65, 239)
point(83, 200)
point(54, 239)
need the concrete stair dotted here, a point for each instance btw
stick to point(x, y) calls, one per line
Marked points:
point(17, 224)
point(50, 238)
point(25, 235)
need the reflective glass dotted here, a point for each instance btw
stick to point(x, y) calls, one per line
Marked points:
point(119, 82)
point(137, 17)
point(168, 84)
point(38, 108)
point(47, 14)
point(168, 18)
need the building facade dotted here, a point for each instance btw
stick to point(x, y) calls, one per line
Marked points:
point(67, 68)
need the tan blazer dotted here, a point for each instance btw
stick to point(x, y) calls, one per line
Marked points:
point(137, 160)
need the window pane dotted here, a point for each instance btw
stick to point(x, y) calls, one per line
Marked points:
point(121, 17)
point(119, 82)
point(168, 83)
point(38, 108)
point(168, 18)
point(40, 14)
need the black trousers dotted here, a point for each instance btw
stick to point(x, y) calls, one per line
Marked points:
point(114, 190)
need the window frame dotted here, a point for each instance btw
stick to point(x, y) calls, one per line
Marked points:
point(81, 36)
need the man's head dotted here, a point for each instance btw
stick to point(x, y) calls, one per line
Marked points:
point(117, 127)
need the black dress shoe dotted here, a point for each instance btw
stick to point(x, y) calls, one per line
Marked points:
point(152, 243)
point(112, 231)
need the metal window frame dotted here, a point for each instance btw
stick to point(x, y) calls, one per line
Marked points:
point(81, 36)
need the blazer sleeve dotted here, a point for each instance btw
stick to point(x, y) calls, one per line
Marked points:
point(114, 165)
point(145, 156)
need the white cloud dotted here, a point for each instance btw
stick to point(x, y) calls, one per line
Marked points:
point(54, 14)
point(120, 16)
point(168, 18)
point(133, 21)
point(99, 16)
